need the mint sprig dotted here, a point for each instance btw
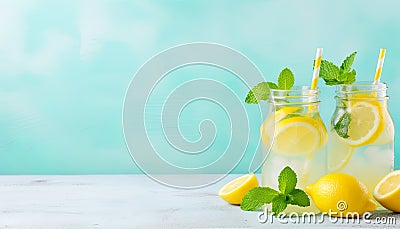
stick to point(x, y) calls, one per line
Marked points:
point(262, 90)
point(342, 125)
point(334, 75)
point(288, 194)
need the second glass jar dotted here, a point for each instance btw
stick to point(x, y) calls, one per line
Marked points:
point(361, 133)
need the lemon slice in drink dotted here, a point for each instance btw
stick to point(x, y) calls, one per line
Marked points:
point(388, 129)
point(297, 136)
point(268, 127)
point(366, 123)
point(323, 132)
point(339, 153)
point(285, 111)
point(387, 191)
point(234, 191)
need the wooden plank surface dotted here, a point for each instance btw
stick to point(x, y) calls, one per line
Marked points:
point(126, 201)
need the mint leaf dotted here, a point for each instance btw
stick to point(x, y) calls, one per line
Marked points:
point(342, 77)
point(342, 125)
point(259, 92)
point(328, 71)
point(299, 198)
point(279, 204)
point(287, 180)
point(350, 77)
point(347, 63)
point(285, 79)
point(331, 82)
point(251, 98)
point(256, 197)
point(272, 85)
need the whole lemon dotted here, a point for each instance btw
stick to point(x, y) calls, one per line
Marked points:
point(341, 195)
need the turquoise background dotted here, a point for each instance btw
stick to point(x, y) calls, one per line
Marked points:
point(65, 66)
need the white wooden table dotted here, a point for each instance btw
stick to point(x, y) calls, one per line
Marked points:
point(125, 201)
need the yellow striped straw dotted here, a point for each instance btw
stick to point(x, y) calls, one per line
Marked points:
point(317, 65)
point(379, 66)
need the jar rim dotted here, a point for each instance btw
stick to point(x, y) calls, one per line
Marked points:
point(364, 84)
point(297, 95)
point(298, 89)
point(350, 91)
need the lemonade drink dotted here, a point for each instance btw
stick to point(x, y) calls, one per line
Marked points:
point(294, 135)
point(361, 134)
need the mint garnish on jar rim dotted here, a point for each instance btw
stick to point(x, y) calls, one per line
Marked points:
point(261, 90)
point(335, 75)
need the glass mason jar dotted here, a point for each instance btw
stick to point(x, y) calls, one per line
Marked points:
point(361, 133)
point(294, 135)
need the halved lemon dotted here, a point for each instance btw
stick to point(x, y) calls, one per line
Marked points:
point(387, 191)
point(366, 123)
point(339, 153)
point(297, 136)
point(234, 191)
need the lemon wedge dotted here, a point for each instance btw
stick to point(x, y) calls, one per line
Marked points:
point(366, 123)
point(387, 191)
point(297, 136)
point(339, 153)
point(234, 191)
